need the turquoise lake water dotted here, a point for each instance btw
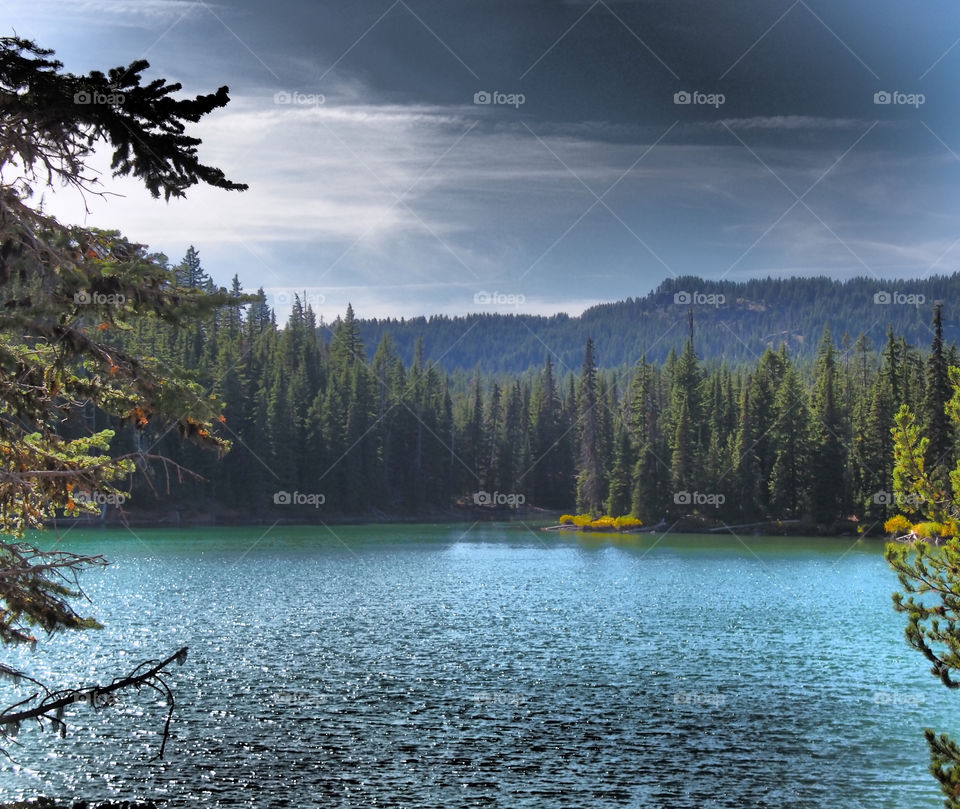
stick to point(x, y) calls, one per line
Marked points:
point(436, 666)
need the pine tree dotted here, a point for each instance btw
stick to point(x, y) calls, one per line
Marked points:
point(259, 316)
point(473, 440)
point(789, 478)
point(686, 447)
point(507, 438)
point(651, 484)
point(607, 407)
point(400, 436)
point(550, 464)
point(570, 439)
point(621, 485)
point(362, 445)
point(717, 434)
point(57, 358)
point(914, 384)
point(748, 485)
point(591, 486)
point(936, 426)
point(767, 378)
point(829, 451)
point(930, 579)
point(235, 481)
point(493, 427)
point(875, 458)
point(233, 315)
point(346, 347)
point(189, 273)
point(858, 392)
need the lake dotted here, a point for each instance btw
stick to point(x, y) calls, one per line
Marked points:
point(444, 666)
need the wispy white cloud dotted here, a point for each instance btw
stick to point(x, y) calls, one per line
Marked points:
point(486, 206)
point(789, 122)
point(117, 12)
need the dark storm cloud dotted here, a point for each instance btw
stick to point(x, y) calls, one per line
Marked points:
point(629, 141)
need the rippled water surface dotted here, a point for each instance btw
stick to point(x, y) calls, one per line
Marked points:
point(421, 666)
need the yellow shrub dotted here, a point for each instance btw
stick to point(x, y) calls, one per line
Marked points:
point(897, 525)
point(930, 530)
point(627, 521)
point(603, 522)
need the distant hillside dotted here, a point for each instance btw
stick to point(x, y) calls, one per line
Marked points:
point(753, 315)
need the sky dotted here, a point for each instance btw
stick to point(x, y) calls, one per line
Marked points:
point(419, 157)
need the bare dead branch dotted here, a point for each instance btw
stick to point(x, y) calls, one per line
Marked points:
point(52, 706)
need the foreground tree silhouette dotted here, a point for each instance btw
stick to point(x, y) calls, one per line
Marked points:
point(63, 290)
point(930, 576)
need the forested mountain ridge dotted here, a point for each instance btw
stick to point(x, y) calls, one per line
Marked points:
point(325, 425)
point(753, 316)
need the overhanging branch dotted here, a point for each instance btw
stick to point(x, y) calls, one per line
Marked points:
point(52, 706)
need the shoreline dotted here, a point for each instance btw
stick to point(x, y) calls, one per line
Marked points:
point(233, 519)
point(455, 516)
